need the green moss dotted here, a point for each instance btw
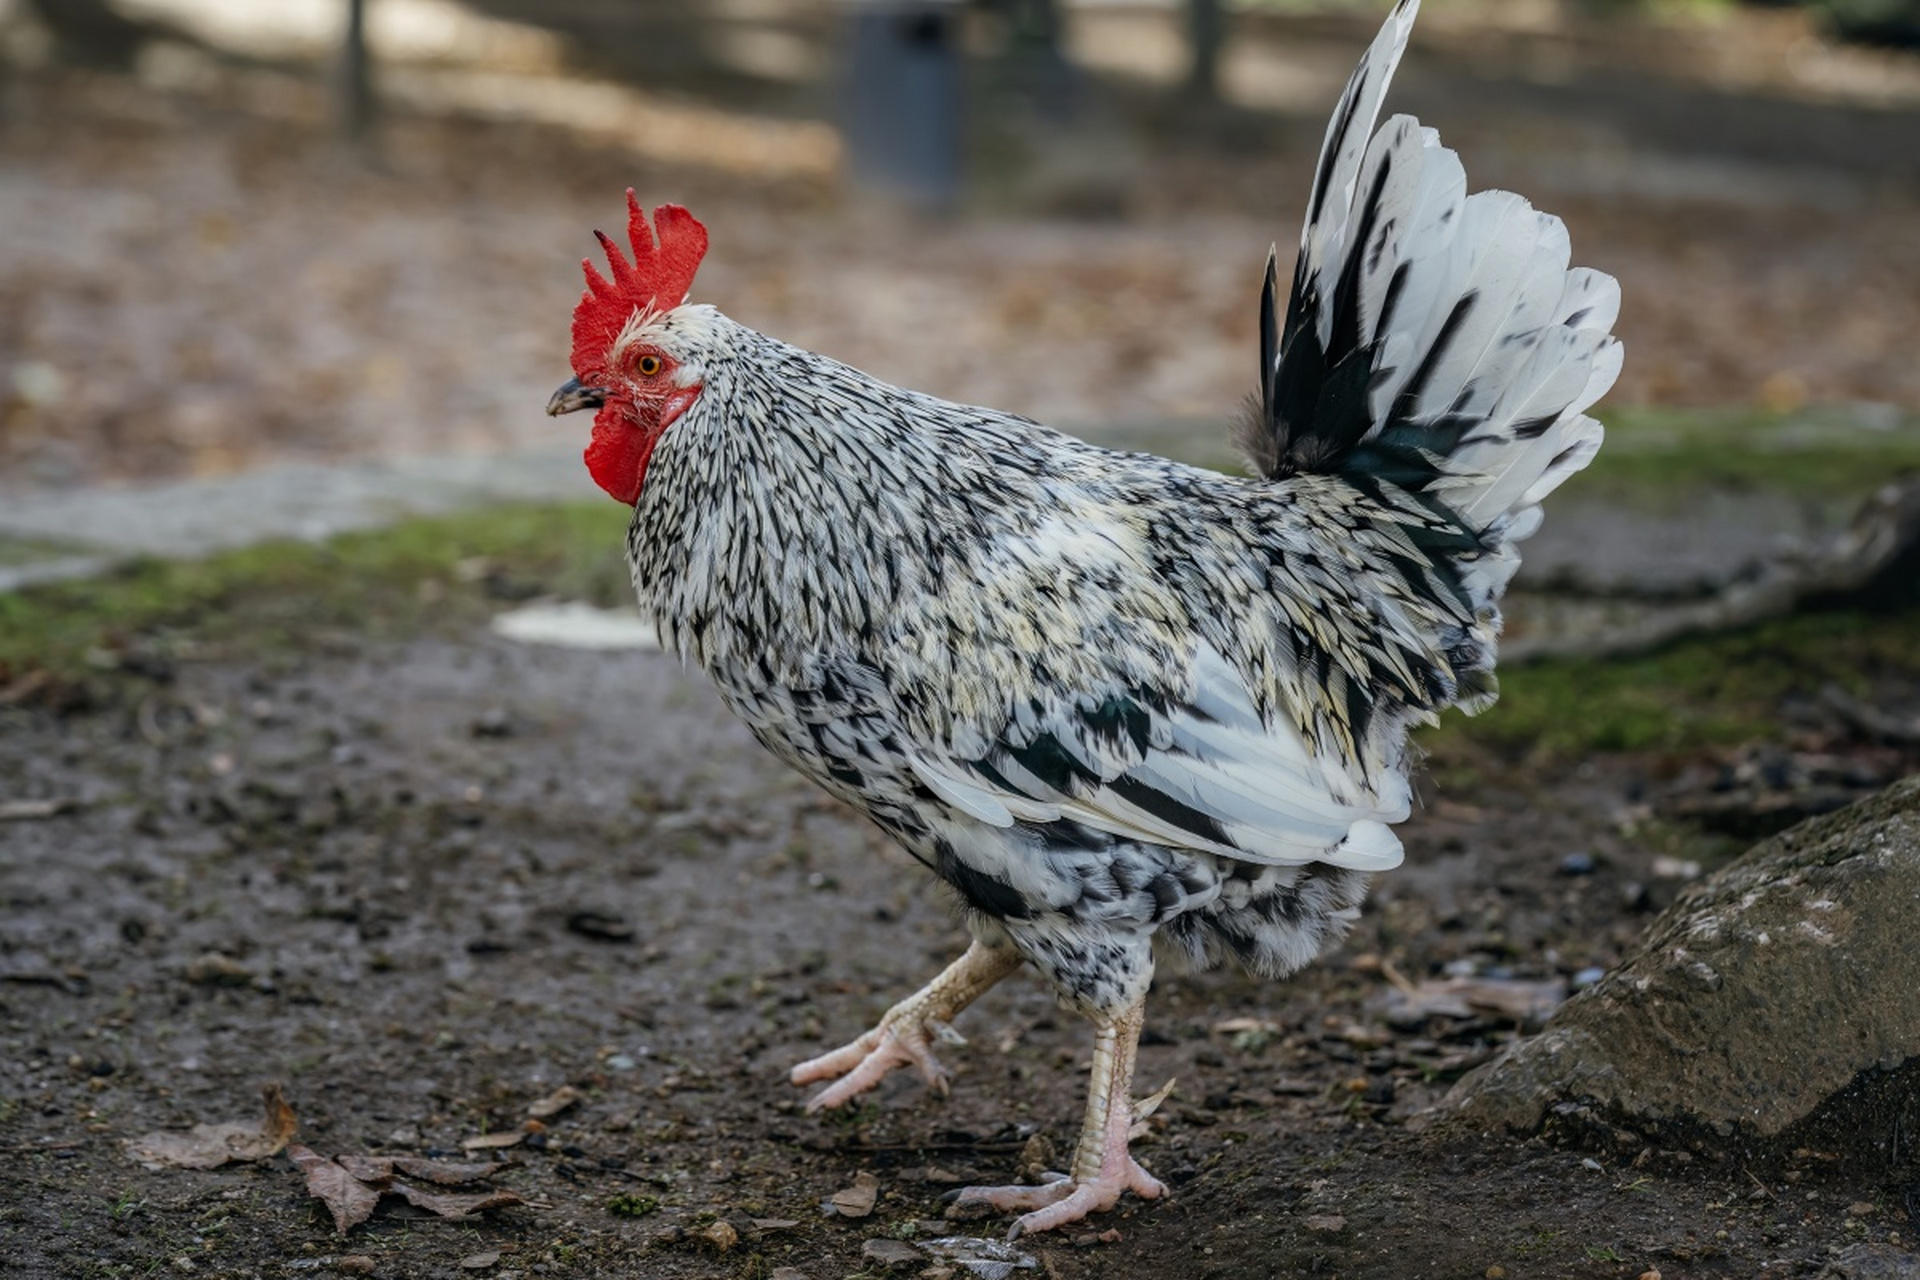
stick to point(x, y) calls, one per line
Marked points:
point(1704, 691)
point(1660, 457)
point(452, 574)
point(454, 571)
point(631, 1206)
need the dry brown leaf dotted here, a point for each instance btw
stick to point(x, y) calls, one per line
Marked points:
point(857, 1200)
point(450, 1204)
point(350, 1200)
point(377, 1169)
point(554, 1103)
point(445, 1172)
point(351, 1185)
point(208, 1146)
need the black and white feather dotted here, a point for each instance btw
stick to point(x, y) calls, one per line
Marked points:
point(1435, 343)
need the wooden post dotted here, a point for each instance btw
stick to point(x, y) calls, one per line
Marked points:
point(1206, 33)
point(355, 106)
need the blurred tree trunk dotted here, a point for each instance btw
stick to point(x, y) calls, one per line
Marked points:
point(1206, 33)
point(355, 106)
point(90, 33)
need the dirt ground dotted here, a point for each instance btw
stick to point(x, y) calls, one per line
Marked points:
point(425, 884)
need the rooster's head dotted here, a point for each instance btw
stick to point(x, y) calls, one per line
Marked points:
point(627, 363)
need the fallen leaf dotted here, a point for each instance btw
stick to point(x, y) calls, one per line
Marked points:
point(208, 1146)
point(350, 1200)
point(453, 1204)
point(554, 1103)
point(367, 1168)
point(445, 1172)
point(351, 1185)
point(857, 1200)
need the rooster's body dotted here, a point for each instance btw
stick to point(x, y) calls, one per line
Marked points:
point(1121, 706)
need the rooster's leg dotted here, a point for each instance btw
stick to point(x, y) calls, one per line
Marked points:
point(1103, 1168)
point(906, 1031)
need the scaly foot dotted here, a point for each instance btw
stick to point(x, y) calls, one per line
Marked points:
point(899, 1041)
point(907, 1031)
point(1103, 1168)
point(1060, 1200)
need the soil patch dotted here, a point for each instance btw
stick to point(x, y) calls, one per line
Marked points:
point(428, 883)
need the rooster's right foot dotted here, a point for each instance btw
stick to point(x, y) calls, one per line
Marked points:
point(907, 1031)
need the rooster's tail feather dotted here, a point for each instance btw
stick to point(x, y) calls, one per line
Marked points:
point(1437, 352)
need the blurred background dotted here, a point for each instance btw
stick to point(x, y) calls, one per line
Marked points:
point(235, 234)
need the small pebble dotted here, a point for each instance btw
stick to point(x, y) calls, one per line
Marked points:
point(1587, 977)
point(1325, 1224)
point(215, 970)
point(1860, 1209)
point(480, 1261)
point(1577, 864)
point(354, 1264)
point(721, 1235)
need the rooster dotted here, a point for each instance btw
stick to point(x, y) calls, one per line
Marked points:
point(1125, 709)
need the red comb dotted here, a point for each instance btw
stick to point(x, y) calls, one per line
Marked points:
point(657, 279)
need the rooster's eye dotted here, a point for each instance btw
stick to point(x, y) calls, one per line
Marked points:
point(648, 366)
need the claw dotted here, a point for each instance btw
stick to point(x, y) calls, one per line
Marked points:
point(906, 1033)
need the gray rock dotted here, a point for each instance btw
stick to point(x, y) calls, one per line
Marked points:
point(1773, 1004)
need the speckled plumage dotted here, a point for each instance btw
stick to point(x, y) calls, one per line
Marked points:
point(1117, 703)
point(932, 610)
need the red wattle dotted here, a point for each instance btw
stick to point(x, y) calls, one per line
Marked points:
point(617, 454)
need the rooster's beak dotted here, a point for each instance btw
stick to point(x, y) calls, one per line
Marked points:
point(572, 395)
